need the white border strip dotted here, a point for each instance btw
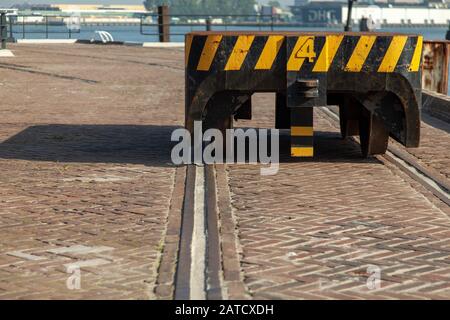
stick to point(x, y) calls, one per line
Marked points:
point(163, 44)
point(47, 41)
point(126, 43)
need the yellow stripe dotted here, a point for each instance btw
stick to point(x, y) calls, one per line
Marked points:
point(302, 151)
point(393, 54)
point(239, 53)
point(187, 49)
point(415, 62)
point(208, 53)
point(295, 62)
point(360, 53)
point(328, 52)
point(302, 131)
point(269, 53)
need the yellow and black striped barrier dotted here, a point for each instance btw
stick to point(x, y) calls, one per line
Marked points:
point(341, 64)
point(348, 53)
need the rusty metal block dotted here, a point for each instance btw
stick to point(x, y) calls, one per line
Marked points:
point(380, 72)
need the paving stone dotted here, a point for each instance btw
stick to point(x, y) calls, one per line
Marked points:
point(85, 170)
point(329, 218)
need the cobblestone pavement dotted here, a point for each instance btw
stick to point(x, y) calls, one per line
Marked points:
point(86, 180)
point(85, 169)
point(313, 230)
point(434, 150)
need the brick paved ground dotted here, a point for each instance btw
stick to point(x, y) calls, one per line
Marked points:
point(312, 230)
point(84, 168)
point(434, 150)
point(86, 178)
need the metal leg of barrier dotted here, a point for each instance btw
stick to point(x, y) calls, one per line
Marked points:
point(302, 132)
point(282, 112)
point(373, 134)
point(349, 117)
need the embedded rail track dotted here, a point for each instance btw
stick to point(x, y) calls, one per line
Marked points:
point(198, 274)
point(200, 266)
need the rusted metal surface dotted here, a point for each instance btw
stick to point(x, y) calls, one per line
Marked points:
point(436, 57)
point(375, 78)
point(164, 23)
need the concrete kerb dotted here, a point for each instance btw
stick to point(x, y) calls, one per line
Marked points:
point(86, 41)
point(436, 104)
point(6, 53)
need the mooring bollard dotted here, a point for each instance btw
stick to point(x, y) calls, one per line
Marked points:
point(164, 23)
point(366, 24)
point(3, 30)
point(208, 24)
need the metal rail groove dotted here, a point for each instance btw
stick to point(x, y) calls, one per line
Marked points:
point(198, 275)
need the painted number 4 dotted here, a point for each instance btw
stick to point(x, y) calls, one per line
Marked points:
point(306, 50)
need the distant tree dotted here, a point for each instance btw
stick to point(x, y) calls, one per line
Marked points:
point(152, 4)
point(229, 6)
point(275, 4)
point(219, 7)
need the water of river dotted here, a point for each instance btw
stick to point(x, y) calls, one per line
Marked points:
point(132, 33)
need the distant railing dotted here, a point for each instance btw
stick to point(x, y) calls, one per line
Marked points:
point(164, 25)
point(208, 21)
point(23, 25)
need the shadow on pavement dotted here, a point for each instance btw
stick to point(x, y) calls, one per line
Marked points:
point(134, 144)
point(142, 144)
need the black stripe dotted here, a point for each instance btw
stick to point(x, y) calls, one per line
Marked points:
point(405, 58)
point(302, 117)
point(344, 53)
point(297, 141)
point(377, 54)
point(254, 53)
point(198, 43)
point(223, 53)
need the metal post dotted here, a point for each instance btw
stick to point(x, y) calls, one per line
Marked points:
point(3, 30)
point(46, 27)
point(348, 25)
point(447, 36)
point(164, 24)
point(23, 27)
point(11, 34)
point(208, 24)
